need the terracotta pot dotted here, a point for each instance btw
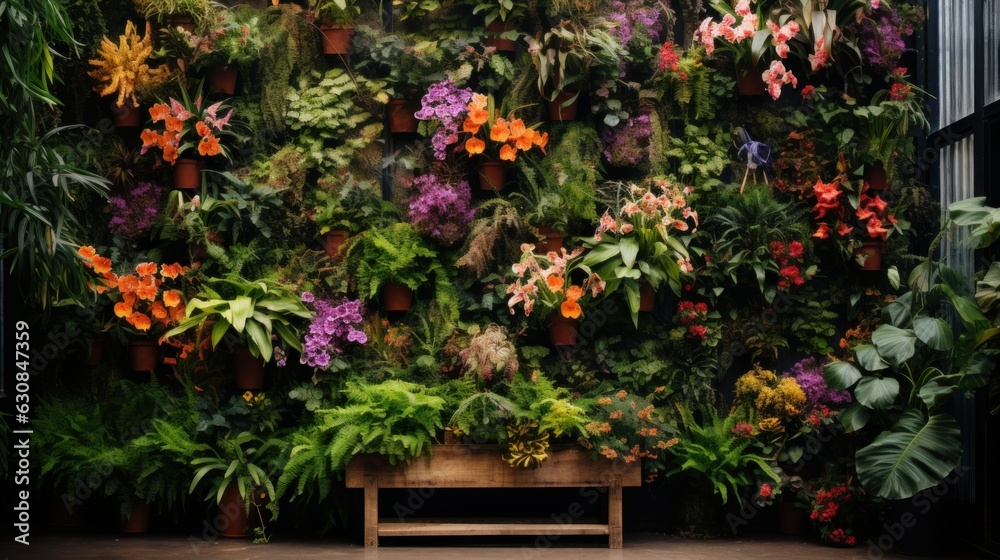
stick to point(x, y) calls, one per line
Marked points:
point(396, 297)
point(559, 113)
point(492, 175)
point(187, 173)
point(232, 520)
point(222, 78)
point(128, 115)
point(249, 370)
point(647, 296)
point(138, 521)
point(553, 240)
point(869, 255)
point(184, 22)
point(143, 354)
point(336, 38)
point(750, 84)
point(333, 241)
point(496, 27)
point(401, 113)
point(562, 330)
point(96, 351)
point(876, 177)
point(791, 520)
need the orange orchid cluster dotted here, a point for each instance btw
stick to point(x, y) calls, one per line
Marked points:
point(176, 123)
point(143, 302)
point(871, 211)
point(548, 284)
point(512, 135)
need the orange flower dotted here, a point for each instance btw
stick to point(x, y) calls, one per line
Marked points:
point(177, 313)
point(86, 252)
point(478, 102)
point(173, 124)
point(171, 298)
point(102, 265)
point(517, 129)
point(145, 269)
point(474, 146)
point(140, 321)
point(508, 153)
point(209, 146)
point(570, 309)
point(526, 140)
point(122, 309)
point(616, 414)
point(469, 126)
point(604, 401)
point(172, 270)
point(150, 138)
point(158, 310)
point(500, 131)
point(128, 284)
point(147, 289)
point(202, 129)
point(479, 116)
point(822, 232)
point(170, 153)
point(555, 282)
point(542, 140)
point(159, 111)
point(574, 293)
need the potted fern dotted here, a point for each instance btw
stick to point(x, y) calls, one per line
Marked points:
point(337, 19)
point(253, 311)
point(346, 206)
point(390, 263)
point(186, 14)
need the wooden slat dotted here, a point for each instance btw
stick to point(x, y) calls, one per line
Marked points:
point(371, 511)
point(615, 514)
point(426, 529)
point(466, 466)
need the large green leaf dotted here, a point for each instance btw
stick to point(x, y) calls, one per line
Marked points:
point(869, 359)
point(877, 392)
point(854, 417)
point(840, 375)
point(629, 249)
point(915, 455)
point(895, 345)
point(934, 332)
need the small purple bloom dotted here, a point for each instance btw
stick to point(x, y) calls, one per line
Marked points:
point(308, 297)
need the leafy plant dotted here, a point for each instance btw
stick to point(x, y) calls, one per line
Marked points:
point(244, 460)
point(344, 202)
point(331, 114)
point(565, 55)
point(200, 11)
point(252, 309)
point(710, 451)
point(397, 254)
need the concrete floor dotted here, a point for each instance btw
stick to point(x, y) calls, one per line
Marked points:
point(637, 547)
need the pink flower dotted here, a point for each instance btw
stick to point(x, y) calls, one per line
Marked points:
point(705, 34)
point(876, 4)
point(822, 55)
point(782, 50)
point(743, 8)
point(776, 76)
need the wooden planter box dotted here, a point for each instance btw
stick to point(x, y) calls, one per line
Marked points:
point(482, 466)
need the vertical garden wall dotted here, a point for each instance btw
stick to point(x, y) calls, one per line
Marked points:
point(690, 235)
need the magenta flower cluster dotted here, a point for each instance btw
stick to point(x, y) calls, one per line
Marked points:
point(134, 214)
point(883, 44)
point(628, 144)
point(441, 210)
point(446, 103)
point(331, 330)
point(809, 375)
point(631, 12)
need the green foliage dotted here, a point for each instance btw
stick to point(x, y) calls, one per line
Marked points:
point(710, 451)
point(332, 114)
point(395, 419)
point(200, 11)
point(698, 157)
point(252, 309)
point(397, 254)
point(346, 203)
point(292, 54)
point(561, 185)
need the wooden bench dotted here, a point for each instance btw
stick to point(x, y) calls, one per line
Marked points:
point(467, 466)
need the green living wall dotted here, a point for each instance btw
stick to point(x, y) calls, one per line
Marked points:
point(686, 234)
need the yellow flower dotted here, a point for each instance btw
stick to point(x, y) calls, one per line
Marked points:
point(248, 396)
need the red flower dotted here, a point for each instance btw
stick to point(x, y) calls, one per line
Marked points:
point(808, 91)
point(765, 491)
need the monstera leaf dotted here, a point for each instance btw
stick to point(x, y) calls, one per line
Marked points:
point(915, 455)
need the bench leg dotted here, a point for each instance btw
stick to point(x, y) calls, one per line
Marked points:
point(371, 511)
point(615, 513)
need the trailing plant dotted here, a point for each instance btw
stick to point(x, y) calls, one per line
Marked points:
point(292, 55)
point(494, 238)
point(332, 116)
